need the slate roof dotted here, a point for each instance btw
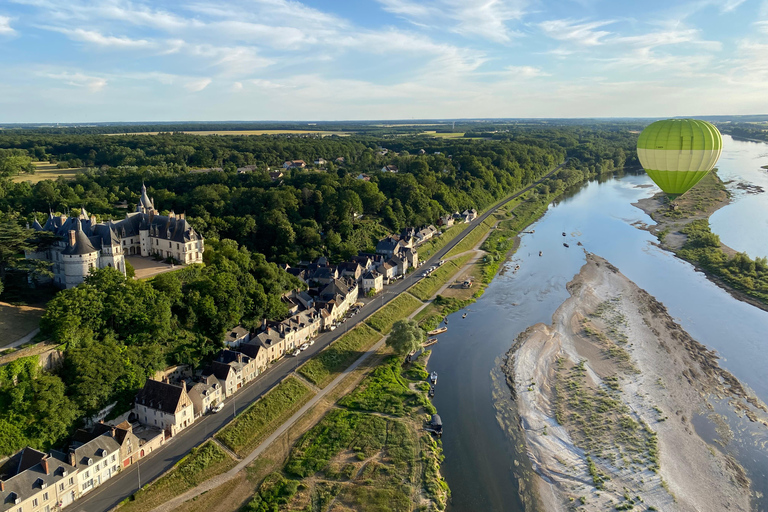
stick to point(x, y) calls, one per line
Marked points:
point(219, 370)
point(22, 484)
point(160, 395)
point(94, 450)
point(250, 349)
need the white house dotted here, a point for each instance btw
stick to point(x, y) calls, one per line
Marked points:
point(97, 461)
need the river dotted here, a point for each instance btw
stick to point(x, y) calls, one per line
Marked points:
point(479, 455)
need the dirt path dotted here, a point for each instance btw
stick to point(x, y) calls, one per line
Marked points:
point(606, 395)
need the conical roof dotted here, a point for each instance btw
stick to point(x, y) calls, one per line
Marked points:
point(145, 201)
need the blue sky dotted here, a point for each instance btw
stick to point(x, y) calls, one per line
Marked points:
point(120, 60)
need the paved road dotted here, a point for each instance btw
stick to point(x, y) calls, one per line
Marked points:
point(108, 495)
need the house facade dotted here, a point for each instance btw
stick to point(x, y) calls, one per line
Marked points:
point(205, 394)
point(96, 461)
point(84, 244)
point(372, 281)
point(32, 481)
point(164, 406)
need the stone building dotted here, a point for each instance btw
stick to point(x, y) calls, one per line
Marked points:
point(83, 244)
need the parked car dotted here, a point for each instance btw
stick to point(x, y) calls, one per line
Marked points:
point(311, 342)
point(296, 352)
point(218, 407)
point(304, 346)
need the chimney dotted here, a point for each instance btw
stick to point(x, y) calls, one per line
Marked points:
point(44, 463)
point(72, 237)
point(2, 486)
point(184, 385)
point(171, 215)
point(239, 357)
point(72, 458)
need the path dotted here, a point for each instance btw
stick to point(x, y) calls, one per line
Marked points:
point(22, 341)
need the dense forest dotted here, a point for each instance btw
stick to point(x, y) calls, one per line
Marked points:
point(116, 331)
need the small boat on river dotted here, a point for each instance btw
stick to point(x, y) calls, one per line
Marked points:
point(433, 378)
point(439, 330)
point(541, 253)
point(563, 233)
point(430, 341)
point(464, 315)
point(566, 245)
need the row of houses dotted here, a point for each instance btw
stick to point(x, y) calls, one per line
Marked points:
point(32, 481)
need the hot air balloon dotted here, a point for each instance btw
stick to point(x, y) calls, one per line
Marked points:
point(677, 153)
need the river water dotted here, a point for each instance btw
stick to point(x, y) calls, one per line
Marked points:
point(479, 455)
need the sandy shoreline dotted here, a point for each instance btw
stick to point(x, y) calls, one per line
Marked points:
point(605, 397)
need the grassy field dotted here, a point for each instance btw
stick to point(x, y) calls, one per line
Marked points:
point(328, 364)
point(47, 171)
point(430, 317)
point(17, 321)
point(402, 306)
point(245, 432)
point(202, 463)
point(429, 286)
point(443, 135)
point(244, 132)
point(357, 459)
point(473, 238)
point(428, 248)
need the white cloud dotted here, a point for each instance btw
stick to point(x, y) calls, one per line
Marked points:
point(99, 39)
point(525, 71)
point(232, 60)
point(5, 25)
point(578, 32)
point(486, 19)
point(198, 84)
point(92, 83)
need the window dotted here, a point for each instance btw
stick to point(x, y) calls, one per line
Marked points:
point(61, 487)
point(34, 502)
point(72, 481)
point(45, 496)
point(87, 474)
point(113, 457)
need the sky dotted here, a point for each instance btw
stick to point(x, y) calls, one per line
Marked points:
point(204, 60)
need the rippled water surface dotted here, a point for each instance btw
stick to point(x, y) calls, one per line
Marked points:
point(479, 456)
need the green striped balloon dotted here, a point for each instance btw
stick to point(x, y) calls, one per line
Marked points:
point(677, 153)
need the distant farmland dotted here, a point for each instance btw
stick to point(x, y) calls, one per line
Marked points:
point(245, 132)
point(47, 171)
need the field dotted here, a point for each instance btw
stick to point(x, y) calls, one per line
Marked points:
point(17, 321)
point(427, 248)
point(368, 454)
point(428, 286)
point(46, 171)
point(328, 364)
point(473, 238)
point(443, 135)
point(203, 462)
point(402, 306)
point(245, 432)
point(245, 132)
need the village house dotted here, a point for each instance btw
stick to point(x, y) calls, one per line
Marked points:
point(96, 462)
point(165, 406)
point(469, 215)
point(294, 164)
point(388, 247)
point(123, 435)
point(299, 328)
point(411, 257)
point(363, 177)
point(245, 368)
point(389, 168)
point(388, 270)
point(273, 343)
point(205, 394)
point(237, 336)
point(226, 375)
point(422, 152)
point(350, 269)
point(400, 264)
point(365, 261)
point(258, 353)
point(323, 275)
point(32, 481)
point(275, 175)
point(446, 220)
point(426, 234)
point(372, 281)
point(340, 160)
point(321, 161)
point(336, 299)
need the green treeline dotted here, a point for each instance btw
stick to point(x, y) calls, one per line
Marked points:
point(116, 332)
point(739, 271)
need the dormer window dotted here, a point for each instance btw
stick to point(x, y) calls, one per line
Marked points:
point(89, 461)
point(41, 483)
point(15, 498)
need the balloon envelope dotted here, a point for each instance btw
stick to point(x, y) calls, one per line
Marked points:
point(677, 153)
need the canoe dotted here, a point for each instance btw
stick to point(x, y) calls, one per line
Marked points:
point(439, 330)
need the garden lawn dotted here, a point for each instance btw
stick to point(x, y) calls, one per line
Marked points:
point(328, 364)
point(202, 463)
point(243, 434)
point(402, 306)
point(428, 248)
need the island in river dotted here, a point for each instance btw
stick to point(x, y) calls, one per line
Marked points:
point(605, 397)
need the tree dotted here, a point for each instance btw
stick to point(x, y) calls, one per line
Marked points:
point(406, 337)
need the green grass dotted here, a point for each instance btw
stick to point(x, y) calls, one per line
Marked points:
point(428, 248)
point(325, 366)
point(385, 391)
point(429, 286)
point(402, 306)
point(473, 238)
point(243, 434)
point(202, 463)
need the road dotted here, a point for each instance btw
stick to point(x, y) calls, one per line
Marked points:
point(128, 481)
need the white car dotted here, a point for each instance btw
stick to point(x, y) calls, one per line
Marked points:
point(425, 274)
point(311, 342)
point(296, 353)
point(304, 346)
point(218, 407)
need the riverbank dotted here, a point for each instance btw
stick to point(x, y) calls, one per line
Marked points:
point(684, 230)
point(606, 395)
